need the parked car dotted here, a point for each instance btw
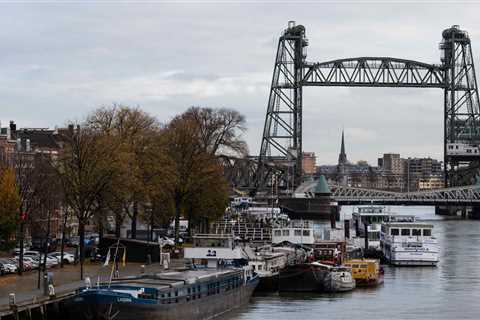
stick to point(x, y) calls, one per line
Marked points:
point(9, 266)
point(50, 261)
point(34, 262)
point(27, 263)
point(67, 257)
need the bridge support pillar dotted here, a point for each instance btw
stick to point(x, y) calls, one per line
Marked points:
point(474, 213)
point(446, 210)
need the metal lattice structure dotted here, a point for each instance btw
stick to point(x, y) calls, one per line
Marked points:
point(461, 104)
point(466, 195)
point(282, 135)
point(374, 72)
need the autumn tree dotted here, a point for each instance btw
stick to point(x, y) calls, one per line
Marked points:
point(9, 204)
point(194, 169)
point(142, 162)
point(86, 168)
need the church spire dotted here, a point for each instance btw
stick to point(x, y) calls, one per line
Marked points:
point(342, 157)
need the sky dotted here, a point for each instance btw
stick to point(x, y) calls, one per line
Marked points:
point(61, 60)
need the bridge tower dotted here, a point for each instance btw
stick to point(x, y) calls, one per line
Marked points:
point(461, 111)
point(281, 146)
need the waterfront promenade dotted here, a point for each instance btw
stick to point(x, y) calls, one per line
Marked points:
point(65, 280)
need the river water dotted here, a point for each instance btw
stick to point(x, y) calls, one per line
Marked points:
point(449, 291)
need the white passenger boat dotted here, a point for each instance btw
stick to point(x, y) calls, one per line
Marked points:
point(406, 242)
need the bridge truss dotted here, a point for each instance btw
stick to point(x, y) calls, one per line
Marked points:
point(466, 195)
point(282, 134)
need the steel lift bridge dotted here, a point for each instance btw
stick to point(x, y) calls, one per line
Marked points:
point(281, 147)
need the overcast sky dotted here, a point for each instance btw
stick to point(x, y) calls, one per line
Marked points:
point(60, 61)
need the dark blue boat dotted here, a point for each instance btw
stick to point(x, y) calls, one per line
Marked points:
point(192, 294)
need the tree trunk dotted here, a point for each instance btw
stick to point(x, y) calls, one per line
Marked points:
point(177, 218)
point(118, 224)
point(81, 231)
point(62, 248)
point(22, 235)
point(134, 220)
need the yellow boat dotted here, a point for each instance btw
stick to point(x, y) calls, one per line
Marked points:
point(366, 272)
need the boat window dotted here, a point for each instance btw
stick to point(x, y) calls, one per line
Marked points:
point(298, 232)
point(260, 267)
point(306, 233)
point(355, 266)
point(405, 232)
point(394, 232)
point(286, 233)
point(416, 232)
point(364, 266)
point(427, 232)
point(278, 233)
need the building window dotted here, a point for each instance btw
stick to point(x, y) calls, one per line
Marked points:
point(278, 233)
point(286, 233)
point(298, 232)
point(306, 233)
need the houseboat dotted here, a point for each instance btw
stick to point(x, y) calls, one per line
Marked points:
point(316, 277)
point(267, 262)
point(220, 281)
point(366, 272)
point(406, 242)
point(294, 232)
point(370, 218)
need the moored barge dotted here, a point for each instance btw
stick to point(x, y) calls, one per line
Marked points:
point(193, 294)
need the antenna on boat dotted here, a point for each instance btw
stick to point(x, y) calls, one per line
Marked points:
point(114, 262)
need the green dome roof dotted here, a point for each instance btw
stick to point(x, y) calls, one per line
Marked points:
point(322, 186)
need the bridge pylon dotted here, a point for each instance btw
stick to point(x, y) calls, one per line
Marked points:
point(461, 112)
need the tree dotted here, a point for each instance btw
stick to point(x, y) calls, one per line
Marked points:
point(194, 169)
point(9, 204)
point(137, 133)
point(86, 168)
point(219, 130)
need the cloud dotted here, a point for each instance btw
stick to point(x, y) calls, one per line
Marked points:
point(59, 61)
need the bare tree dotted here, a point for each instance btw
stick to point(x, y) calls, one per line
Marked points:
point(220, 130)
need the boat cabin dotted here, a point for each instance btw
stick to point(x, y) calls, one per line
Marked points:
point(214, 250)
point(296, 232)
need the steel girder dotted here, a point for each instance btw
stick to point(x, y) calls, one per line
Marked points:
point(457, 195)
point(282, 133)
point(461, 100)
point(374, 72)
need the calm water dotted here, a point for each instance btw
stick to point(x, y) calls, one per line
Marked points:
point(449, 291)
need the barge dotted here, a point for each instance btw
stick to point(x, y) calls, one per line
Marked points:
point(193, 294)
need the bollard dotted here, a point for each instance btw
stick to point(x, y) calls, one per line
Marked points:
point(51, 291)
point(88, 282)
point(11, 299)
point(142, 268)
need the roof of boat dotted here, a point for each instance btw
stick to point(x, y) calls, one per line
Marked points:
point(409, 224)
point(173, 278)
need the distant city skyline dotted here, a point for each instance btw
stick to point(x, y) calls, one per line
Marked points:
point(60, 61)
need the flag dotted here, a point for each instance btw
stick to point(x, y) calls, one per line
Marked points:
point(124, 259)
point(107, 259)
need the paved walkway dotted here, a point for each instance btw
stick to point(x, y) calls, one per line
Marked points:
point(65, 280)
